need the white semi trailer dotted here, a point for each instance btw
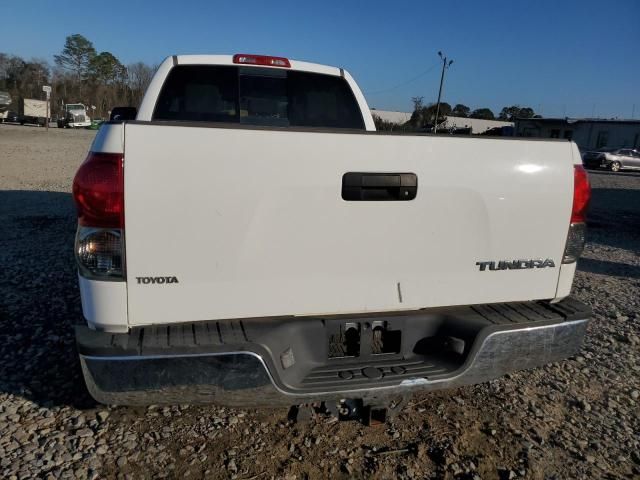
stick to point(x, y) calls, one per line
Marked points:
point(34, 111)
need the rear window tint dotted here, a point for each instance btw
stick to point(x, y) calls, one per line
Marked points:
point(199, 94)
point(263, 97)
point(257, 96)
point(322, 101)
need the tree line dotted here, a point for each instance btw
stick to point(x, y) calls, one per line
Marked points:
point(80, 74)
point(424, 116)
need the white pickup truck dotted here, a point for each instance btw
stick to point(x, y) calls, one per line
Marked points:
point(249, 239)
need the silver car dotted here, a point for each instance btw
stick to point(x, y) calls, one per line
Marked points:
point(612, 159)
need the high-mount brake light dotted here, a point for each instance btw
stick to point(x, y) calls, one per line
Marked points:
point(578, 227)
point(266, 60)
point(98, 191)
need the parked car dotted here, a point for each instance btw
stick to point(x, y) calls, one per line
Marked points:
point(12, 117)
point(279, 251)
point(614, 159)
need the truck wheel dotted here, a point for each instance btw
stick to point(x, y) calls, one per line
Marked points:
point(615, 166)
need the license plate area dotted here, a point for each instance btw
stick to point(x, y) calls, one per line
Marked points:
point(363, 340)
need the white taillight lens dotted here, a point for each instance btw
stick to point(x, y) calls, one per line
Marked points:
point(575, 242)
point(99, 253)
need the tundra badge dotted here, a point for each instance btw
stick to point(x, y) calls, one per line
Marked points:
point(516, 264)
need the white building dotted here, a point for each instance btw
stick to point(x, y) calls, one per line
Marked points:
point(477, 125)
point(588, 133)
point(390, 116)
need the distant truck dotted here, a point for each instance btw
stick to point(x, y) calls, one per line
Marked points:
point(74, 115)
point(33, 111)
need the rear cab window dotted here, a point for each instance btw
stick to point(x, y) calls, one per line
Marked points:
point(257, 96)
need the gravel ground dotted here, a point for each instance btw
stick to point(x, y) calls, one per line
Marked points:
point(576, 419)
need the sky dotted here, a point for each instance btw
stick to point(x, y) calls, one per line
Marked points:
point(562, 58)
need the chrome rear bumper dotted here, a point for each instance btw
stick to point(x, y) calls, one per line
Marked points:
point(271, 362)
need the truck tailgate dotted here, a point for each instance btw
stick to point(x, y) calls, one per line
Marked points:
point(252, 223)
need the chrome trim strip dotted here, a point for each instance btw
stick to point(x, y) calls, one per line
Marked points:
point(125, 358)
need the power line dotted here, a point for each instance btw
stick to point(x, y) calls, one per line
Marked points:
point(406, 82)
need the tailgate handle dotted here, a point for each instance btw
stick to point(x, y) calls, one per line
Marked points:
point(363, 186)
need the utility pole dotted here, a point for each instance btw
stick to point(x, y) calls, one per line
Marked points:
point(47, 90)
point(445, 65)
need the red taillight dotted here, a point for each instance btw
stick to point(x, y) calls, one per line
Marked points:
point(98, 190)
point(577, 229)
point(581, 194)
point(261, 60)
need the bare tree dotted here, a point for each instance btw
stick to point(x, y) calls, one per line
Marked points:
point(80, 75)
point(23, 78)
point(139, 77)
